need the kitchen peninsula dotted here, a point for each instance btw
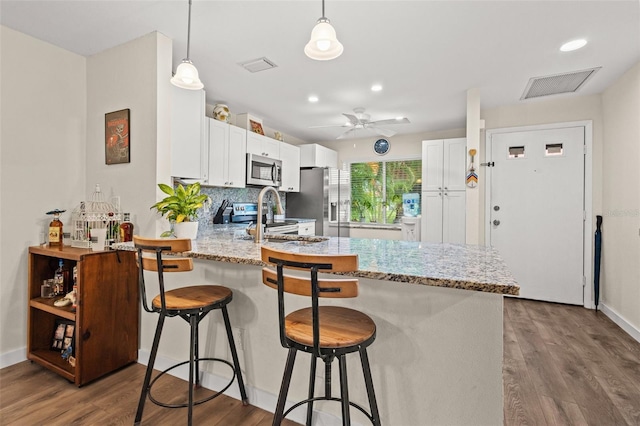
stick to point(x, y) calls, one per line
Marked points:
point(438, 308)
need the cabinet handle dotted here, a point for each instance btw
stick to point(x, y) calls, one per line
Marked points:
point(86, 335)
point(230, 183)
point(446, 193)
point(446, 187)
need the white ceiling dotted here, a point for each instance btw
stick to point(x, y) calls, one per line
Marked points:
point(426, 54)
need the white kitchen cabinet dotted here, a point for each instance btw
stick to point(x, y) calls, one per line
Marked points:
point(444, 164)
point(314, 155)
point(290, 157)
point(261, 145)
point(307, 228)
point(444, 190)
point(189, 145)
point(227, 154)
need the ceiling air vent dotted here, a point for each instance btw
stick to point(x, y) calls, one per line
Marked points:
point(559, 83)
point(259, 64)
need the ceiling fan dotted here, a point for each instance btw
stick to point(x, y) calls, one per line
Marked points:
point(360, 120)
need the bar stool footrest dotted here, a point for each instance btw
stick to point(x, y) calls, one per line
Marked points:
point(324, 398)
point(201, 401)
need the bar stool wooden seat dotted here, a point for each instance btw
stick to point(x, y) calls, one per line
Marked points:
point(326, 332)
point(190, 303)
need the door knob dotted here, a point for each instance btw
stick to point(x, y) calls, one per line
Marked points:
point(496, 208)
point(496, 222)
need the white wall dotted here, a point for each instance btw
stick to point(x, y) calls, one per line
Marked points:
point(43, 134)
point(134, 75)
point(620, 277)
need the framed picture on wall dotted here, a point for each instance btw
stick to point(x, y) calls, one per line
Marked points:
point(117, 137)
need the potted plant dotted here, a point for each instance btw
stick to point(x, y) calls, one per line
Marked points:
point(181, 209)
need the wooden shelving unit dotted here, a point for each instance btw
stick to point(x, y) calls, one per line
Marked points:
point(106, 318)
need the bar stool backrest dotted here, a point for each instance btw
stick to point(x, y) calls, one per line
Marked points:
point(308, 286)
point(160, 255)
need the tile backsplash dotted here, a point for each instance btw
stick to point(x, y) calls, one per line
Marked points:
point(233, 195)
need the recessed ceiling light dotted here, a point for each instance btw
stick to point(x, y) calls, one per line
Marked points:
point(399, 118)
point(313, 98)
point(376, 88)
point(573, 45)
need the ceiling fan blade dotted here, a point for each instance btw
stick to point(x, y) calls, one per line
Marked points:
point(352, 118)
point(345, 134)
point(329, 125)
point(383, 132)
point(391, 121)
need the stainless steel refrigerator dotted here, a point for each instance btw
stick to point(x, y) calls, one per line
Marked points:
point(325, 195)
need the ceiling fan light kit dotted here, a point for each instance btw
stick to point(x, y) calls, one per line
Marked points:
point(186, 76)
point(324, 44)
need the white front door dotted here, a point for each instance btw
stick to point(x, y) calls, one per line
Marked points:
point(536, 210)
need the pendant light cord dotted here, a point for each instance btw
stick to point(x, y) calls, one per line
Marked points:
point(189, 28)
point(323, 17)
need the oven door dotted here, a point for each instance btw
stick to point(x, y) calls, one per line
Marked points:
point(263, 171)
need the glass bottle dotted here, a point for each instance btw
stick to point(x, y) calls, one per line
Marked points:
point(126, 229)
point(61, 279)
point(55, 229)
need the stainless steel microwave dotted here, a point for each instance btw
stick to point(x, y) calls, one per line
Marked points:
point(263, 171)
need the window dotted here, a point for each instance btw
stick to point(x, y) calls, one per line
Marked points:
point(377, 189)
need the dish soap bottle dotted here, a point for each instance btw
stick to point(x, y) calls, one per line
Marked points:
point(55, 229)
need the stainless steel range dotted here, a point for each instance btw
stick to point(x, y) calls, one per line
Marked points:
point(248, 213)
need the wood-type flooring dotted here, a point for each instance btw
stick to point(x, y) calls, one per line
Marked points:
point(563, 365)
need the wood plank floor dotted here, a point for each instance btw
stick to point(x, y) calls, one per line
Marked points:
point(566, 365)
point(563, 365)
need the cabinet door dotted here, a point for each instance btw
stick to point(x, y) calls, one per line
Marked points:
point(237, 157)
point(290, 156)
point(454, 164)
point(453, 217)
point(188, 138)
point(432, 155)
point(432, 216)
point(262, 145)
point(307, 228)
point(218, 147)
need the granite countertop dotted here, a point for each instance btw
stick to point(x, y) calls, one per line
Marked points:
point(468, 267)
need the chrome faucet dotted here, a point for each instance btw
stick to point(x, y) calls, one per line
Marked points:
point(259, 231)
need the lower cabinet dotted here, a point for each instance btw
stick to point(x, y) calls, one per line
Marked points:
point(443, 217)
point(101, 333)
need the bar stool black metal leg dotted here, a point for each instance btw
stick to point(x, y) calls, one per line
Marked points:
point(312, 385)
point(147, 376)
point(193, 321)
point(196, 381)
point(364, 358)
point(234, 356)
point(284, 388)
point(327, 376)
point(344, 391)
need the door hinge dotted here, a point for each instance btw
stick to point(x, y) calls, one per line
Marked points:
point(584, 149)
point(489, 164)
point(584, 281)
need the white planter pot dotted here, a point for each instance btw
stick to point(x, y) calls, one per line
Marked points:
point(186, 230)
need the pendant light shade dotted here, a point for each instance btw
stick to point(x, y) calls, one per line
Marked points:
point(324, 44)
point(186, 76)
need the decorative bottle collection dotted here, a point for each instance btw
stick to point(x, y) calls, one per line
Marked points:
point(61, 282)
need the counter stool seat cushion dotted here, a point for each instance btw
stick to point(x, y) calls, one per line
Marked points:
point(339, 327)
point(194, 297)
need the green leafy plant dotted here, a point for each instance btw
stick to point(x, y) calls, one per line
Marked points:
point(182, 204)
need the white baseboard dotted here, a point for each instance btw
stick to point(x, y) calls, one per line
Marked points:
point(257, 397)
point(618, 319)
point(13, 357)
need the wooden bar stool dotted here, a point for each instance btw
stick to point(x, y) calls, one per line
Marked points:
point(191, 304)
point(326, 332)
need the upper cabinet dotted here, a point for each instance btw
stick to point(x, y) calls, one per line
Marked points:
point(227, 154)
point(261, 145)
point(443, 164)
point(189, 153)
point(290, 157)
point(314, 155)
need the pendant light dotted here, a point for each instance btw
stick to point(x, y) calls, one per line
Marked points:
point(323, 45)
point(186, 75)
